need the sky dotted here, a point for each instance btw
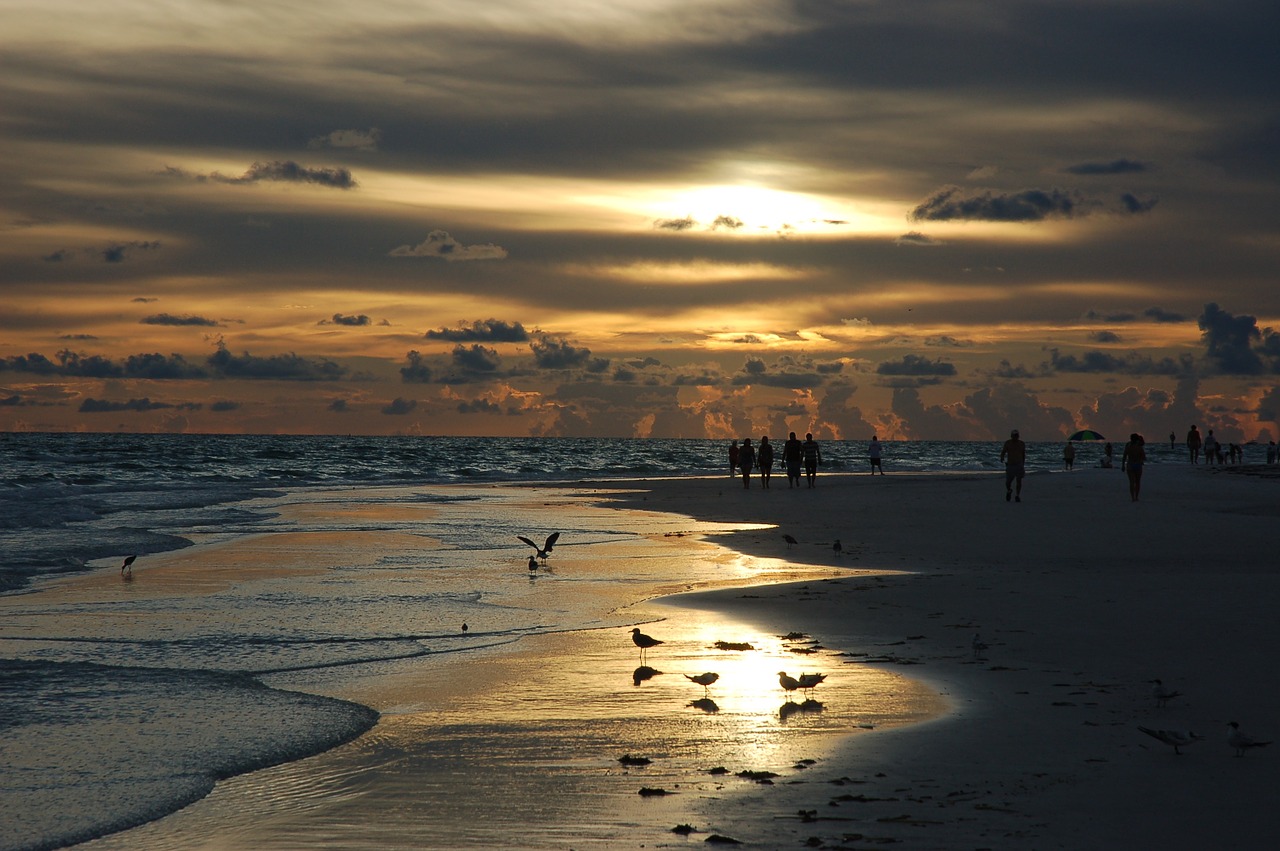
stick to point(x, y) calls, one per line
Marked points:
point(941, 219)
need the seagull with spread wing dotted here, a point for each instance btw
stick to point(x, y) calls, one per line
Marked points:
point(545, 550)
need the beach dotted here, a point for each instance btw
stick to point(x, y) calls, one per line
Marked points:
point(1078, 597)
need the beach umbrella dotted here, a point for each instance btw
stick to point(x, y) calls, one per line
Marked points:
point(1086, 434)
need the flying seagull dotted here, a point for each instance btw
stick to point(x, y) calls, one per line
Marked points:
point(545, 550)
point(1161, 694)
point(704, 680)
point(1242, 741)
point(1176, 738)
point(644, 642)
point(127, 567)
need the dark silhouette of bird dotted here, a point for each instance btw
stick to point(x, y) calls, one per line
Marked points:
point(545, 550)
point(1161, 694)
point(789, 684)
point(836, 548)
point(705, 680)
point(644, 642)
point(533, 565)
point(790, 540)
point(1176, 738)
point(464, 627)
point(979, 647)
point(808, 682)
point(127, 567)
point(1242, 741)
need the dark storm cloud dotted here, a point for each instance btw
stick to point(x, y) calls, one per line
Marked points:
point(1030, 205)
point(558, 353)
point(284, 367)
point(170, 319)
point(416, 371)
point(1120, 166)
point(916, 365)
point(1104, 336)
point(1132, 363)
point(1234, 345)
point(482, 331)
point(399, 407)
point(475, 358)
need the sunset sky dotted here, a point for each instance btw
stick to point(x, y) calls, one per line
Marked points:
point(700, 218)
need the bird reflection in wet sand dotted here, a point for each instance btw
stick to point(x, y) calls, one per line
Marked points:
point(706, 704)
point(644, 642)
point(704, 680)
point(790, 708)
point(643, 674)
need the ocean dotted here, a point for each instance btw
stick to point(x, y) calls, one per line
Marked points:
point(125, 702)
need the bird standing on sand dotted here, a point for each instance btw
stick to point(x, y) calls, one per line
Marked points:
point(644, 642)
point(1161, 694)
point(790, 540)
point(808, 682)
point(533, 565)
point(789, 684)
point(704, 680)
point(127, 567)
point(1242, 741)
point(836, 548)
point(545, 550)
point(1176, 738)
point(979, 647)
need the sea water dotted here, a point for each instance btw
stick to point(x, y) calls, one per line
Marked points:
point(121, 707)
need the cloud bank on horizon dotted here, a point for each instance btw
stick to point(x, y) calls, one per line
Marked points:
point(670, 219)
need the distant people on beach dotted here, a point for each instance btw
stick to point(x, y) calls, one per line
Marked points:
point(1106, 455)
point(764, 460)
point(873, 455)
point(746, 460)
point(812, 458)
point(1173, 440)
point(733, 458)
point(1193, 444)
point(1134, 457)
point(1211, 449)
point(1271, 452)
point(1014, 457)
point(792, 453)
point(1069, 455)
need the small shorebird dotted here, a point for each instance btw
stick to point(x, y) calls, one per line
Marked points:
point(1176, 738)
point(979, 648)
point(789, 684)
point(127, 567)
point(836, 548)
point(704, 680)
point(533, 565)
point(808, 682)
point(1242, 741)
point(1161, 694)
point(790, 540)
point(545, 550)
point(644, 642)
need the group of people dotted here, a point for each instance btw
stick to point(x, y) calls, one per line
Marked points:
point(795, 452)
point(1014, 457)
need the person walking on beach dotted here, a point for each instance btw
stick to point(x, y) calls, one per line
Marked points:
point(792, 452)
point(764, 460)
point(746, 460)
point(733, 458)
point(1210, 448)
point(1014, 457)
point(1069, 455)
point(1135, 455)
point(873, 455)
point(812, 457)
point(1193, 444)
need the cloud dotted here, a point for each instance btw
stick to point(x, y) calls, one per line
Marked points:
point(1135, 205)
point(558, 353)
point(787, 372)
point(400, 407)
point(986, 414)
point(170, 319)
point(338, 406)
point(1029, 205)
point(687, 223)
point(916, 239)
point(1120, 166)
point(479, 406)
point(475, 358)
point(224, 405)
point(1159, 314)
point(443, 246)
point(1235, 345)
point(102, 406)
point(283, 367)
point(1132, 363)
point(158, 366)
point(360, 140)
point(916, 365)
point(417, 371)
point(350, 321)
point(10, 401)
point(114, 252)
point(482, 331)
point(1104, 336)
point(728, 222)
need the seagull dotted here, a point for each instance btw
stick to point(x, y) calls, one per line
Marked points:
point(545, 550)
point(1176, 738)
point(1242, 741)
point(979, 647)
point(789, 684)
point(837, 548)
point(644, 642)
point(533, 565)
point(704, 680)
point(1162, 694)
point(808, 682)
point(127, 567)
point(790, 540)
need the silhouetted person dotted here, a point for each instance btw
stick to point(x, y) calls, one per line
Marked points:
point(812, 457)
point(873, 455)
point(1069, 455)
point(1132, 461)
point(733, 458)
point(764, 460)
point(792, 453)
point(1211, 449)
point(1193, 444)
point(1173, 440)
point(746, 460)
point(1014, 456)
